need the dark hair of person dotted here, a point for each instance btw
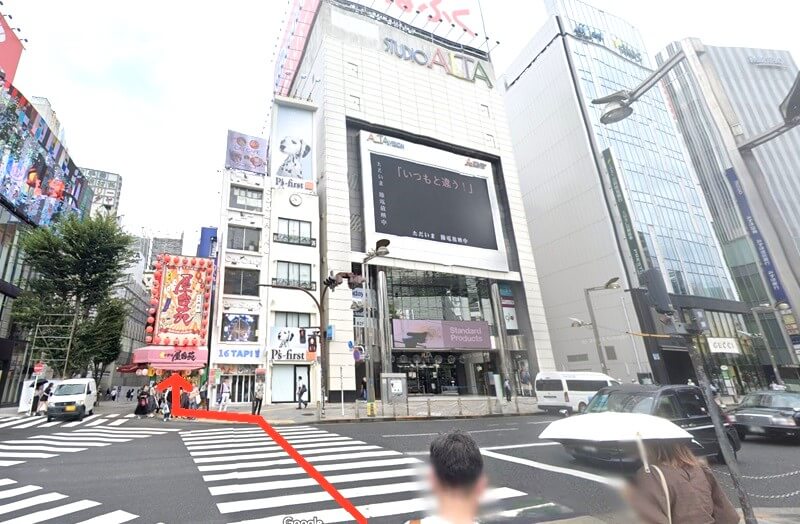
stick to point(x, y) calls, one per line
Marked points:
point(456, 460)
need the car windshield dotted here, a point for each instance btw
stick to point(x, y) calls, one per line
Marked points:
point(621, 402)
point(784, 401)
point(70, 389)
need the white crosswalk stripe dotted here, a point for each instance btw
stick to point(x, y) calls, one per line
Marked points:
point(250, 477)
point(25, 422)
point(26, 504)
point(45, 446)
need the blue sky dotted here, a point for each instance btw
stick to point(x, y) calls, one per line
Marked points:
point(149, 88)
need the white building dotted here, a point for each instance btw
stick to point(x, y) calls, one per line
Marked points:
point(393, 98)
point(267, 236)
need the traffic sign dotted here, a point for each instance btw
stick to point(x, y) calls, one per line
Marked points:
point(38, 367)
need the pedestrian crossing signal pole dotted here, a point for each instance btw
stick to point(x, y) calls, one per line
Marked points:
point(659, 299)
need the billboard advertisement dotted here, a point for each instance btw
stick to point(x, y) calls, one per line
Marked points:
point(293, 343)
point(10, 51)
point(181, 299)
point(237, 327)
point(434, 205)
point(245, 152)
point(441, 334)
point(292, 151)
point(38, 179)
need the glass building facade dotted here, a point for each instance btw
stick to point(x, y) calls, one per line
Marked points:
point(666, 207)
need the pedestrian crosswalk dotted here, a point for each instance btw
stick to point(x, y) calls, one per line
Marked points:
point(46, 446)
point(251, 479)
point(25, 422)
point(30, 504)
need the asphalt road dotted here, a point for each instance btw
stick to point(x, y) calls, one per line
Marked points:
point(193, 472)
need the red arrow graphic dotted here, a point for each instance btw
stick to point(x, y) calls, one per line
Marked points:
point(178, 383)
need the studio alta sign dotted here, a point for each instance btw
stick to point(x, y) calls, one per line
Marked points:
point(454, 64)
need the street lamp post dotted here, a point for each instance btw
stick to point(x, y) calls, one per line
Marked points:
point(381, 250)
point(611, 284)
point(766, 308)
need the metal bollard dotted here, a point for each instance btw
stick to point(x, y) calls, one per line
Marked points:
point(429, 407)
point(408, 409)
point(319, 410)
point(394, 410)
point(516, 401)
point(460, 407)
point(357, 413)
point(489, 404)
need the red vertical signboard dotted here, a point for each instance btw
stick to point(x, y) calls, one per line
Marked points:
point(10, 50)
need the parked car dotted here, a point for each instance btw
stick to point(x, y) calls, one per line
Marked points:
point(769, 414)
point(681, 404)
point(72, 398)
point(570, 391)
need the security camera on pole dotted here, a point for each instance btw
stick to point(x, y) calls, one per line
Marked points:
point(657, 295)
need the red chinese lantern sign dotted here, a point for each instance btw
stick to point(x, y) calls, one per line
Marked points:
point(182, 289)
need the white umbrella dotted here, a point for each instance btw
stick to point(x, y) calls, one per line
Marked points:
point(615, 427)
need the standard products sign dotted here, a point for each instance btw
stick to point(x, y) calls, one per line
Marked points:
point(453, 64)
point(440, 334)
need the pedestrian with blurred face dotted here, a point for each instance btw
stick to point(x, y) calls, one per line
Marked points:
point(678, 489)
point(457, 479)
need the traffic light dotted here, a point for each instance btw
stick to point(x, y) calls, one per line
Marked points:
point(333, 281)
point(657, 293)
point(354, 281)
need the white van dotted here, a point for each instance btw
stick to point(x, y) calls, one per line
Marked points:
point(74, 398)
point(557, 390)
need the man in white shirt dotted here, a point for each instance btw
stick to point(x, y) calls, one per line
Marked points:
point(224, 395)
point(457, 479)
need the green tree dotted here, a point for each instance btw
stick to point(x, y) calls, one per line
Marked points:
point(98, 343)
point(77, 265)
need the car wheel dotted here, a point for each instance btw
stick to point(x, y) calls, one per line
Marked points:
point(582, 407)
point(81, 415)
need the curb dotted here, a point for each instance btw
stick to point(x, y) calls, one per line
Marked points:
point(399, 418)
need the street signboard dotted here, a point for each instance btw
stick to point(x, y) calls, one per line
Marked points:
point(38, 367)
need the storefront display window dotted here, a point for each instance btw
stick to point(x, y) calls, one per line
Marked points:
point(242, 380)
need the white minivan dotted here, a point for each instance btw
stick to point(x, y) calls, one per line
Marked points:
point(572, 391)
point(73, 398)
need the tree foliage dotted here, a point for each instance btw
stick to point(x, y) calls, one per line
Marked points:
point(77, 265)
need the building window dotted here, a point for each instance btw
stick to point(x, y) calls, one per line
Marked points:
point(244, 238)
point(352, 69)
point(292, 320)
point(490, 141)
point(294, 275)
point(241, 282)
point(583, 357)
point(248, 199)
point(611, 352)
point(355, 103)
point(485, 111)
point(294, 232)
point(239, 328)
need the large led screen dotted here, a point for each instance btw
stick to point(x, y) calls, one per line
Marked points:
point(434, 205)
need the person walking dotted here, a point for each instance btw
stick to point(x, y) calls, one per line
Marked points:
point(301, 390)
point(141, 404)
point(37, 395)
point(43, 400)
point(258, 397)
point(678, 489)
point(166, 409)
point(507, 389)
point(457, 479)
point(364, 390)
point(113, 394)
point(204, 395)
point(224, 396)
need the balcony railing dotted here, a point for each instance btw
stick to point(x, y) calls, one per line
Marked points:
point(293, 239)
point(305, 284)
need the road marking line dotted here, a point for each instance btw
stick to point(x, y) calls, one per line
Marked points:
point(7, 482)
point(33, 501)
point(13, 492)
point(323, 458)
point(309, 434)
point(85, 438)
point(115, 517)
point(219, 452)
point(206, 460)
point(226, 442)
point(252, 487)
point(268, 443)
point(5, 454)
point(118, 422)
point(30, 424)
point(69, 449)
point(439, 433)
point(48, 441)
point(6, 463)
point(97, 422)
point(79, 422)
point(111, 415)
point(215, 431)
point(531, 445)
point(382, 509)
point(543, 421)
point(14, 422)
point(281, 472)
point(130, 415)
point(617, 483)
point(305, 498)
point(50, 424)
point(48, 514)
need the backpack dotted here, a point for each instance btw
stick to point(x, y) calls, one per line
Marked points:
point(303, 389)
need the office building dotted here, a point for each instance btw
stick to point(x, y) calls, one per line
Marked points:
point(610, 201)
point(411, 145)
point(46, 111)
point(723, 97)
point(160, 245)
point(107, 188)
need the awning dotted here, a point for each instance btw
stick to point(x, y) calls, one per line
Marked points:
point(172, 358)
point(129, 368)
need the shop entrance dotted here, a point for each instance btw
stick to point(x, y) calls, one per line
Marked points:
point(285, 379)
point(678, 365)
point(433, 374)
